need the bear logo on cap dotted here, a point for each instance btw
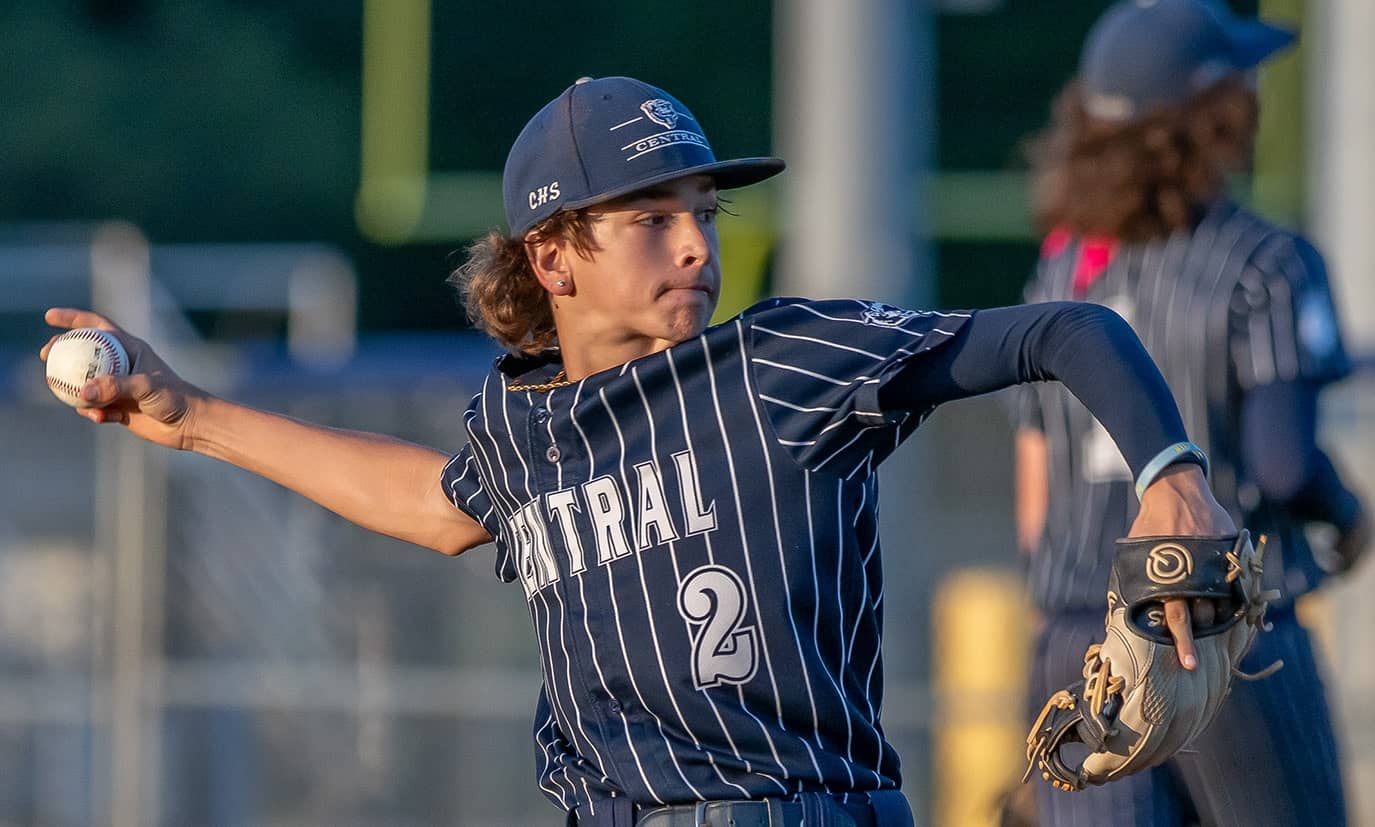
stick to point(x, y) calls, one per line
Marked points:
point(661, 112)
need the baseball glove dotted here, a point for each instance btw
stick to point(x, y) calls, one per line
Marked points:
point(1137, 705)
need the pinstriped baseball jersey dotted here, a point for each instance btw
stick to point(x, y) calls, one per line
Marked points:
point(1236, 304)
point(696, 535)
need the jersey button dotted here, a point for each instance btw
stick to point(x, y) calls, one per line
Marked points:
point(553, 453)
point(540, 415)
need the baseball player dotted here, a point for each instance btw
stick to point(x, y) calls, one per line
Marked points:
point(1239, 316)
point(690, 512)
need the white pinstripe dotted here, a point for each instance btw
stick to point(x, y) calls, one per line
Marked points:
point(865, 610)
point(649, 613)
point(745, 554)
point(795, 337)
point(816, 608)
point(551, 758)
point(800, 408)
point(592, 639)
point(568, 656)
point(795, 369)
point(711, 557)
point(843, 666)
point(778, 543)
point(678, 577)
point(547, 662)
point(491, 474)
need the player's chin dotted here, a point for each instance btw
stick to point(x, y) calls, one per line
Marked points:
point(685, 317)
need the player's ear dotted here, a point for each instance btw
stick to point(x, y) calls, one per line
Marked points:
point(549, 259)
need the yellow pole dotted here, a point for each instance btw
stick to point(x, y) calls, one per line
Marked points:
point(747, 238)
point(982, 629)
point(396, 118)
point(1277, 186)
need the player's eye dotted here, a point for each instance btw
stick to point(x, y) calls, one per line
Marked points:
point(708, 216)
point(654, 220)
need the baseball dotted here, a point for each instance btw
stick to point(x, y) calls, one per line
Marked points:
point(79, 356)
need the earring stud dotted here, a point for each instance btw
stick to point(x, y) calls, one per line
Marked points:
point(560, 284)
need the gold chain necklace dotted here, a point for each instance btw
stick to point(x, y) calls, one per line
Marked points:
point(560, 380)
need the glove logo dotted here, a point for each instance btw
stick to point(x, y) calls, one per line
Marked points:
point(1168, 563)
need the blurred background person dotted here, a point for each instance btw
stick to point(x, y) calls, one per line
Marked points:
point(1129, 184)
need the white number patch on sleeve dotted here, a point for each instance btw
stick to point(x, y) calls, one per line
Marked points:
point(712, 600)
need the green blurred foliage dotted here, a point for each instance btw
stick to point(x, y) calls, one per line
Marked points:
point(237, 120)
point(196, 120)
point(495, 65)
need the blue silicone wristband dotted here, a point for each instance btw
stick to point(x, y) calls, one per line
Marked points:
point(1178, 452)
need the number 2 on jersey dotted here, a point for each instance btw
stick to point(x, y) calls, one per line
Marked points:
point(712, 600)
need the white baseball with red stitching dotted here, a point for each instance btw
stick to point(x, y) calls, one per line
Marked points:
point(80, 355)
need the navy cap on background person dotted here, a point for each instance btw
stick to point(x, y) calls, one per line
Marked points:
point(607, 137)
point(1144, 54)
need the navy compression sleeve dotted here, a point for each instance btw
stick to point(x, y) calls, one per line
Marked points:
point(1086, 347)
point(1279, 424)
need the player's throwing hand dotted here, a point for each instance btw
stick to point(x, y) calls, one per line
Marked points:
point(152, 401)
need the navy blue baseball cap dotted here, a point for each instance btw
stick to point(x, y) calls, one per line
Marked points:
point(607, 137)
point(1144, 54)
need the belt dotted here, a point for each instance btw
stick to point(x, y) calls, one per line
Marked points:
point(769, 812)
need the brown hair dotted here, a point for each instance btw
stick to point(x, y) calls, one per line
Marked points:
point(498, 285)
point(1143, 179)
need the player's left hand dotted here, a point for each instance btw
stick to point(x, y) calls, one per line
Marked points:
point(1180, 503)
point(1135, 708)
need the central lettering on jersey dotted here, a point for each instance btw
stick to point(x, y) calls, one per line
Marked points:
point(614, 522)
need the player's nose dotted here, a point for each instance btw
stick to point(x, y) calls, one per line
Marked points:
point(694, 242)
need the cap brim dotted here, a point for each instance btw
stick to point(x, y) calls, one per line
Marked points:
point(729, 175)
point(742, 172)
point(1253, 41)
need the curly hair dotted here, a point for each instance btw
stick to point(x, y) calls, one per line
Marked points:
point(497, 284)
point(1143, 179)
